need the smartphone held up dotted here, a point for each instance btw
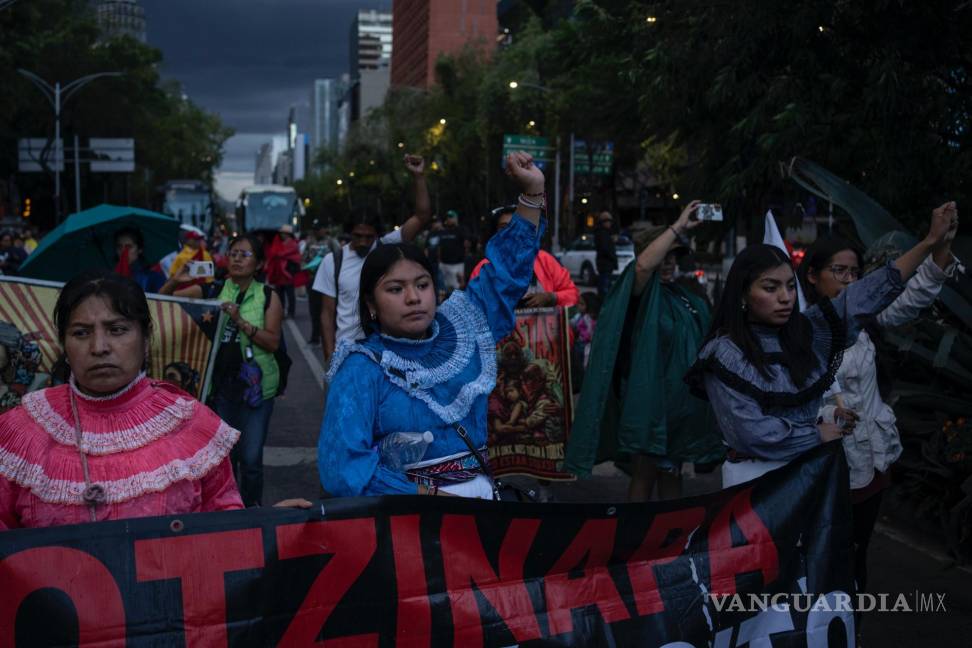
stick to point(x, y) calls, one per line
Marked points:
point(201, 269)
point(708, 212)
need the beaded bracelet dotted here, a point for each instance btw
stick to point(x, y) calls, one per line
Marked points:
point(526, 202)
point(681, 238)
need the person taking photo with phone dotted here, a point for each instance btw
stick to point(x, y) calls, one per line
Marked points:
point(648, 334)
point(247, 376)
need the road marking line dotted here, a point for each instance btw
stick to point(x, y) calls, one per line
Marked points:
point(311, 358)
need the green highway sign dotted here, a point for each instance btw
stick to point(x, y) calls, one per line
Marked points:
point(598, 160)
point(538, 147)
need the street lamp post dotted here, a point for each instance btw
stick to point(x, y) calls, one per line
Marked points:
point(58, 95)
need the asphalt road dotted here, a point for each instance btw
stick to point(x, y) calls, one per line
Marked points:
point(902, 559)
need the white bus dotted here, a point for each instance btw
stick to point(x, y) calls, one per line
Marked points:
point(267, 208)
point(190, 201)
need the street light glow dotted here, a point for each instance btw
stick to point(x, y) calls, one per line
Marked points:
point(442, 121)
point(674, 196)
point(583, 201)
point(340, 182)
point(513, 85)
point(401, 145)
point(351, 174)
point(651, 19)
point(532, 123)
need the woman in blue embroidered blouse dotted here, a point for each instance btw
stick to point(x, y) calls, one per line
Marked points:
point(765, 367)
point(426, 369)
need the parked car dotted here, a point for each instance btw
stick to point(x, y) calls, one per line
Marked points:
point(580, 257)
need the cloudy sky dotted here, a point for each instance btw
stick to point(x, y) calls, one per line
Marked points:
point(250, 60)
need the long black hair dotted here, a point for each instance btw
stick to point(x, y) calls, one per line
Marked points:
point(377, 264)
point(731, 319)
point(818, 257)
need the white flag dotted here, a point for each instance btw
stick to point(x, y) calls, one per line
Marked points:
point(771, 236)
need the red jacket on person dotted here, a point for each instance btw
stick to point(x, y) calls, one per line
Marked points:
point(552, 276)
point(279, 254)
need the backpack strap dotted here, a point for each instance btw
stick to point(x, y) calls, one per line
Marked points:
point(267, 294)
point(338, 259)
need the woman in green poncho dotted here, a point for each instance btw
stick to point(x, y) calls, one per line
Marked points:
point(647, 336)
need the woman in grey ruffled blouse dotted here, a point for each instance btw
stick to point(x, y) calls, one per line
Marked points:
point(765, 366)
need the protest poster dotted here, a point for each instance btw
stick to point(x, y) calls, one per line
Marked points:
point(421, 571)
point(183, 334)
point(530, 410)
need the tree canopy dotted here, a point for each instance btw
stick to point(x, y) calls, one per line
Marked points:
point(711, 97)
point(58, 40)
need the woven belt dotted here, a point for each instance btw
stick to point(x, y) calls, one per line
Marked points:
point(450, 471)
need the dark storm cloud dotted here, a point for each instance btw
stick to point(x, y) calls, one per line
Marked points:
point(250, 60)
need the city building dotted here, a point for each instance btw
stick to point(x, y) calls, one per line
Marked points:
point(371, 52)
point(325, 104)
point(121, 18)
point(267, 158)
point(424, 29)
point(283, 171)
point(344, 111)
point(263, 173)
point(299, 157)
point(330, 116)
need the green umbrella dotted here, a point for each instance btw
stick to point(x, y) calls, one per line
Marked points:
point(86, 241)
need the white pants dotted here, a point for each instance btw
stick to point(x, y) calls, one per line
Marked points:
point(478, 487)
point(744, 471)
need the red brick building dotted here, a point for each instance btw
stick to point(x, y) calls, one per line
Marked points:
point(423, 29)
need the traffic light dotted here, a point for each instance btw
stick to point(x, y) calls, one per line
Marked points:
point(26, 212)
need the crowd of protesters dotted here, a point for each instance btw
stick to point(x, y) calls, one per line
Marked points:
point(408, 321)
point(15, 246)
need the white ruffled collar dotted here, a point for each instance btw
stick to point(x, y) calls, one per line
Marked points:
point(108, 397)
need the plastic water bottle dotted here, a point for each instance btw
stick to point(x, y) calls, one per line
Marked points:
point(400, 449)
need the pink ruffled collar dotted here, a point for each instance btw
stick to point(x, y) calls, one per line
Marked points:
point(129, 419)
point(138, 442)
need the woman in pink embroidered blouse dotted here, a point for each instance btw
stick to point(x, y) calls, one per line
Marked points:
point(111, 443)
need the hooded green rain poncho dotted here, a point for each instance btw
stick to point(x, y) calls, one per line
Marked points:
point(650, 410)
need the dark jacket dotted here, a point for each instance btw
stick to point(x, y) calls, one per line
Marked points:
point(607, 257)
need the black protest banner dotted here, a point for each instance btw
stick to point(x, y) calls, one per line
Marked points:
point(422, 571)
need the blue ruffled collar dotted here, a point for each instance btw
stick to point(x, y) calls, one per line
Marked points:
point(438, 369)
point(431, 337)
